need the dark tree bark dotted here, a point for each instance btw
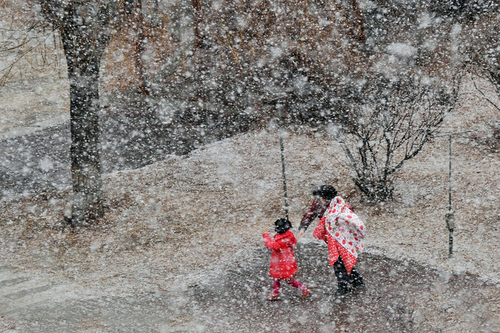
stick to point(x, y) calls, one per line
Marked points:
point(84, 27)
point(197, 5)
point(139, 49)
point(358, 23)
point(83, 73)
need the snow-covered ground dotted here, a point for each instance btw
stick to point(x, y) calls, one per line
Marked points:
point(184, 220)
point(33, 104)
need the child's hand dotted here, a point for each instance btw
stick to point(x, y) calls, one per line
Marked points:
point(265, 231)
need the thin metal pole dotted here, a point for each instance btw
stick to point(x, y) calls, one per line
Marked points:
point(282, 148)
point(450, 217)
point(449, 176)
point(450, 211)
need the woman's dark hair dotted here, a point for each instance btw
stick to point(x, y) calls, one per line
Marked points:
point(327, 192)
point(282, 225)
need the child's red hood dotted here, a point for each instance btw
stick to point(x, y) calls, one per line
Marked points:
point(287, 235)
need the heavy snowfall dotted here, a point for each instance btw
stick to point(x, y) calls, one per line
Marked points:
point(205, 111)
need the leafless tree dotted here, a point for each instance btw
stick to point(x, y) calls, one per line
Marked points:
point(85, 28)
point(386, 122)
point(478, 48)
point(25, 45)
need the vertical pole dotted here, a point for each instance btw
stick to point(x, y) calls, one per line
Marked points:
point(449, 176)
point(279, 107)
point(450, 211)
point(450, 218)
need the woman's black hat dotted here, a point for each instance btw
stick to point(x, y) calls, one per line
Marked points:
point(327, 192)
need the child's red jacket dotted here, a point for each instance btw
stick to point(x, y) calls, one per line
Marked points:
point(283, 262)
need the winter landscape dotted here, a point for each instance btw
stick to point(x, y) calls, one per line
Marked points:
point(192, 168)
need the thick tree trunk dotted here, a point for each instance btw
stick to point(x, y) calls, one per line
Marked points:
point(83, 71)
point(85, 28)
point(85, 152)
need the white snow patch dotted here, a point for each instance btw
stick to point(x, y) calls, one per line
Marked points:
point(401, 49)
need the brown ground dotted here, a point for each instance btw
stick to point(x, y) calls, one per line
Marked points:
point(188, 229)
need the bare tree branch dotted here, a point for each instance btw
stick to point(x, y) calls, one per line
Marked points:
point(484, 96)
point(389, 123)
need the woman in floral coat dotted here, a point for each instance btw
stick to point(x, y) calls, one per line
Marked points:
point(343, 231)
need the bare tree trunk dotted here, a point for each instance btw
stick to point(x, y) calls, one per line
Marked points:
point(139, 49)
point(83, 59)
point(197, 5)
point(85, 28)
point(359, 23)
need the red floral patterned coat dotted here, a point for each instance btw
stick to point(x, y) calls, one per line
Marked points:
point(343, 231)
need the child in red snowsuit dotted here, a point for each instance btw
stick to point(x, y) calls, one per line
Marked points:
point(283, 262)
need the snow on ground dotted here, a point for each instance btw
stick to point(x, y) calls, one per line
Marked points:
point(184, 220)
point(32, 104)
